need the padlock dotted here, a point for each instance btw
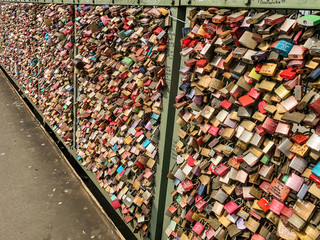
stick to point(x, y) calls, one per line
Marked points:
point(297, 52)
point(252, 224)
point(257, 17)
point(274, 19)
point(309, 20)
point(287, 25)
point(247, 41)
point(278, 189)
point(283, 48)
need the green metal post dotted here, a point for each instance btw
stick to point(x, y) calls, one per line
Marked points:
point(175, 127)
point(274, 4)
point(75, 81)
point(167, 122)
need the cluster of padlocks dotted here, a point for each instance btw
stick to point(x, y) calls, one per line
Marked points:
point(121, 71)
point(247, 158)
point(37, 50)
point(247, 164)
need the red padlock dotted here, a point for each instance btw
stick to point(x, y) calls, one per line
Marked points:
point(276, 206)
point(300, 138)
point(221, 170)
point(231, 207)
point(270, 125)
point(202, 63)
point(187, 185)
point(315, 107)
point(258, 67)
point(263, 204)
point(226, 104)
point(246, 101)
point(213, 131)
point(158, 30)
point(288, 73)
point(254, 93)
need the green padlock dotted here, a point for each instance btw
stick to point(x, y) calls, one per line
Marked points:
point(127, 61)
point(265, 159)
point(108, 164)
point(153, 121)
point(309, 20)
point(285, 178)
point(122, 34)
point(132, 208)
point(178, 199)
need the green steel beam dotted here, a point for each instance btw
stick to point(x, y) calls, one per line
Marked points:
point(126, 2)
point(272, 4)
point(75, 81)
point(103, 2)
point(160, 2)
point(175, 138)
point(86, 2)
point(167, 123)
point(275, 4)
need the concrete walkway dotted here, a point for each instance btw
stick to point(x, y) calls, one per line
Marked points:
point(40, 197)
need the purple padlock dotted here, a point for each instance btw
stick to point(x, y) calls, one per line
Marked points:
point(196, 170)
point(135, 124)
point(260, 56)
point(148, 126)
point(198, 100)
point(87, 8)
point(240, 224)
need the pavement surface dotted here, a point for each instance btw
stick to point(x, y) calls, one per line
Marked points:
point(40, 196)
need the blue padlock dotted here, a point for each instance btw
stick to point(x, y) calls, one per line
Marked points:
point(303, 191)
point(283, 48)
point(113, 197)
point(185, 86)
point(316, 170)
point(236, 76)
point(120, 169)
point(185, 31)
point(191, 93)
point(155, 116)
point(313, 76)
point(142, 70)
point(201, 190)
point(47, 36)
point(146, 143)
point(114, 148)
point(128, 32)
point(176, 182)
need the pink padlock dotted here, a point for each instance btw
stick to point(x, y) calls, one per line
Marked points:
point(198, 228)
point(231, 207)
point(276, 206)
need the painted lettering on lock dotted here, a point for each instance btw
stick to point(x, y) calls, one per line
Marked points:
point(155, 2)
point(271, 2)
